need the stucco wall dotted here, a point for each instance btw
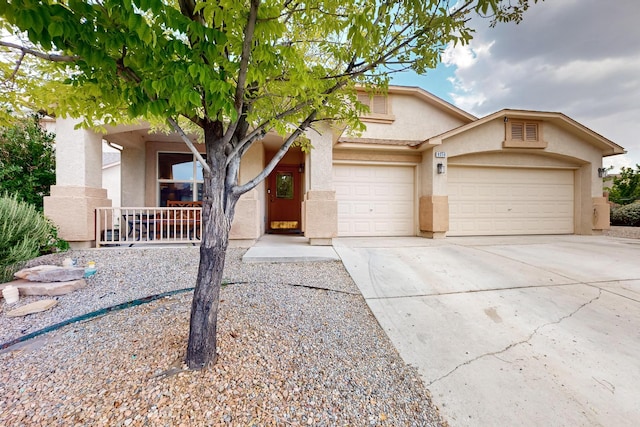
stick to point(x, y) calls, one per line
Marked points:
point(483, 145)
point(414, 120)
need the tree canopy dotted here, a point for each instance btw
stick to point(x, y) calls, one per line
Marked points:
point(206, 60)
point(234, 69)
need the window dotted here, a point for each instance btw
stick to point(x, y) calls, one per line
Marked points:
point(379, 108)
point(284, 185)
point(523, 134)
point(179, 177)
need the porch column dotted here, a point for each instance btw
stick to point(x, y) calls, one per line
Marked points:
point(133, 170)
point(78, 190)
point(248, 222)
point(434, 202)
point(320, 207)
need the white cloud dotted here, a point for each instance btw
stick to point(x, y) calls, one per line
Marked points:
point(580, 58)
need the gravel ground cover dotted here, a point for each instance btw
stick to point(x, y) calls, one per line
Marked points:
point(626, 232)
point(297, 346)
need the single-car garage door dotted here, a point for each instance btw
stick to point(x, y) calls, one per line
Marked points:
point(508, 201)
point(374, 200)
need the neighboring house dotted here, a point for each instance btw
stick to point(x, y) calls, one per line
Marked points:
point(422, 168)
point(111, 175)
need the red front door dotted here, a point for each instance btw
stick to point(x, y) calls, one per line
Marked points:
point(283, 194)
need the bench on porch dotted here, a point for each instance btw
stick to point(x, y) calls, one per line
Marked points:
point(179, 221)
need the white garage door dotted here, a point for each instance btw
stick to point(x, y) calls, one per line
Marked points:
point(508, 201)
point(374, 200)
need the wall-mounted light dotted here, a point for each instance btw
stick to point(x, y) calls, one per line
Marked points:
point(301, 167)
point(602, 172)
point(506, 119)
point(440, 168)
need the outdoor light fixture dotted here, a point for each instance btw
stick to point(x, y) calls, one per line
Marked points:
point(506, 119)
point(602, 172)
point(440, 168)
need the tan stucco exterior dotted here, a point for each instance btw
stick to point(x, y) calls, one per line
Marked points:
point(419, 130)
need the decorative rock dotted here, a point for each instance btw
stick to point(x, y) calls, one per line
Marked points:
point(49, 289)
point(34, 307)
point(50, 273)
point(26, 272)
point(11, 294)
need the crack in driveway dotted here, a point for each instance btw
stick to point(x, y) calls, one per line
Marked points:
point(512, 345)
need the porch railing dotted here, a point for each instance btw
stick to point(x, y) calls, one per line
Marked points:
point(129, 226)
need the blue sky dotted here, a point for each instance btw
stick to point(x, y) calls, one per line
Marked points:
point(578, 57)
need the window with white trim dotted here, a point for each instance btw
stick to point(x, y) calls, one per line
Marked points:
point(179, 177)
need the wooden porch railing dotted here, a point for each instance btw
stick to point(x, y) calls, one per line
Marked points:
point(129, 226)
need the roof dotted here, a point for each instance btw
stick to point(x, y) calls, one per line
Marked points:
point(378, 141)
point(609, 148)
point(110, 158)
point(433, 100)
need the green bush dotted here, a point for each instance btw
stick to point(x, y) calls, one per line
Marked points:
point(27, 161)
point(24, 234)
point(628, 215)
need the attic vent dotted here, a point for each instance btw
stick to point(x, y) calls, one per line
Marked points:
point(521, 134)
point(531, 131)
point(517, 131)
point(522, 131)
point(379, 104)
point(379, 108)
point(363, 98)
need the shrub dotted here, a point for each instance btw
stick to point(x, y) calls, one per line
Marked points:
point(625, 188)
point(628, 215)
point(24, 234)
point(27, 161)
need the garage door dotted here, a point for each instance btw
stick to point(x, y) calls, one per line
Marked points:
point(506, 201)
point(374, 200)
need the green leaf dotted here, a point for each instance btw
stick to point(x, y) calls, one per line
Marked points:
point(55, 29)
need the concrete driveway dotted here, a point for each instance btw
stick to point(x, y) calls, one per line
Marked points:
point(511, 331)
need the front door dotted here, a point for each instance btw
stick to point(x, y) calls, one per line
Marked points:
point(283, 193)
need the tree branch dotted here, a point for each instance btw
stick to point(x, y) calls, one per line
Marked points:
point(47, 56)
point(239, 190)
point(17, 68)
point(187, 141)
point(244, 67)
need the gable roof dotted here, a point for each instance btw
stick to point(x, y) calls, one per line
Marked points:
point(608, 147)
point(346, 141)
point(433, 100)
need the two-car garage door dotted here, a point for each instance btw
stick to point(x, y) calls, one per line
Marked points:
point(374, 200)
point(510, 201)
point(380, 200)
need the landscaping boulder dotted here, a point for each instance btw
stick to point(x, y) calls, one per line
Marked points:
point(51, 289)
point(50, 273)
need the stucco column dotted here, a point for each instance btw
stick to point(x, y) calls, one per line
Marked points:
point(78, 190)
point(248, 223)
point(320, 207)
point(434, 202)
point(132, 175)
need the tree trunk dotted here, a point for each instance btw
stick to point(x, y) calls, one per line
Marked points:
point(217, 215)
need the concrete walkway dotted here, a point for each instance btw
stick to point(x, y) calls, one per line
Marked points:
point(512, 331)
point(288, 248)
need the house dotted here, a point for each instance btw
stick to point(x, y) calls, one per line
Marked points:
point(422, 167)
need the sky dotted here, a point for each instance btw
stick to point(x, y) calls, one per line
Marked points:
point(577, 57)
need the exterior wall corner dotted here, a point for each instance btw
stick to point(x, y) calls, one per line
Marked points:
point(321, 216)
point(434, 214)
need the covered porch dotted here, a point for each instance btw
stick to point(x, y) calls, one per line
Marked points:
point(160, 189)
